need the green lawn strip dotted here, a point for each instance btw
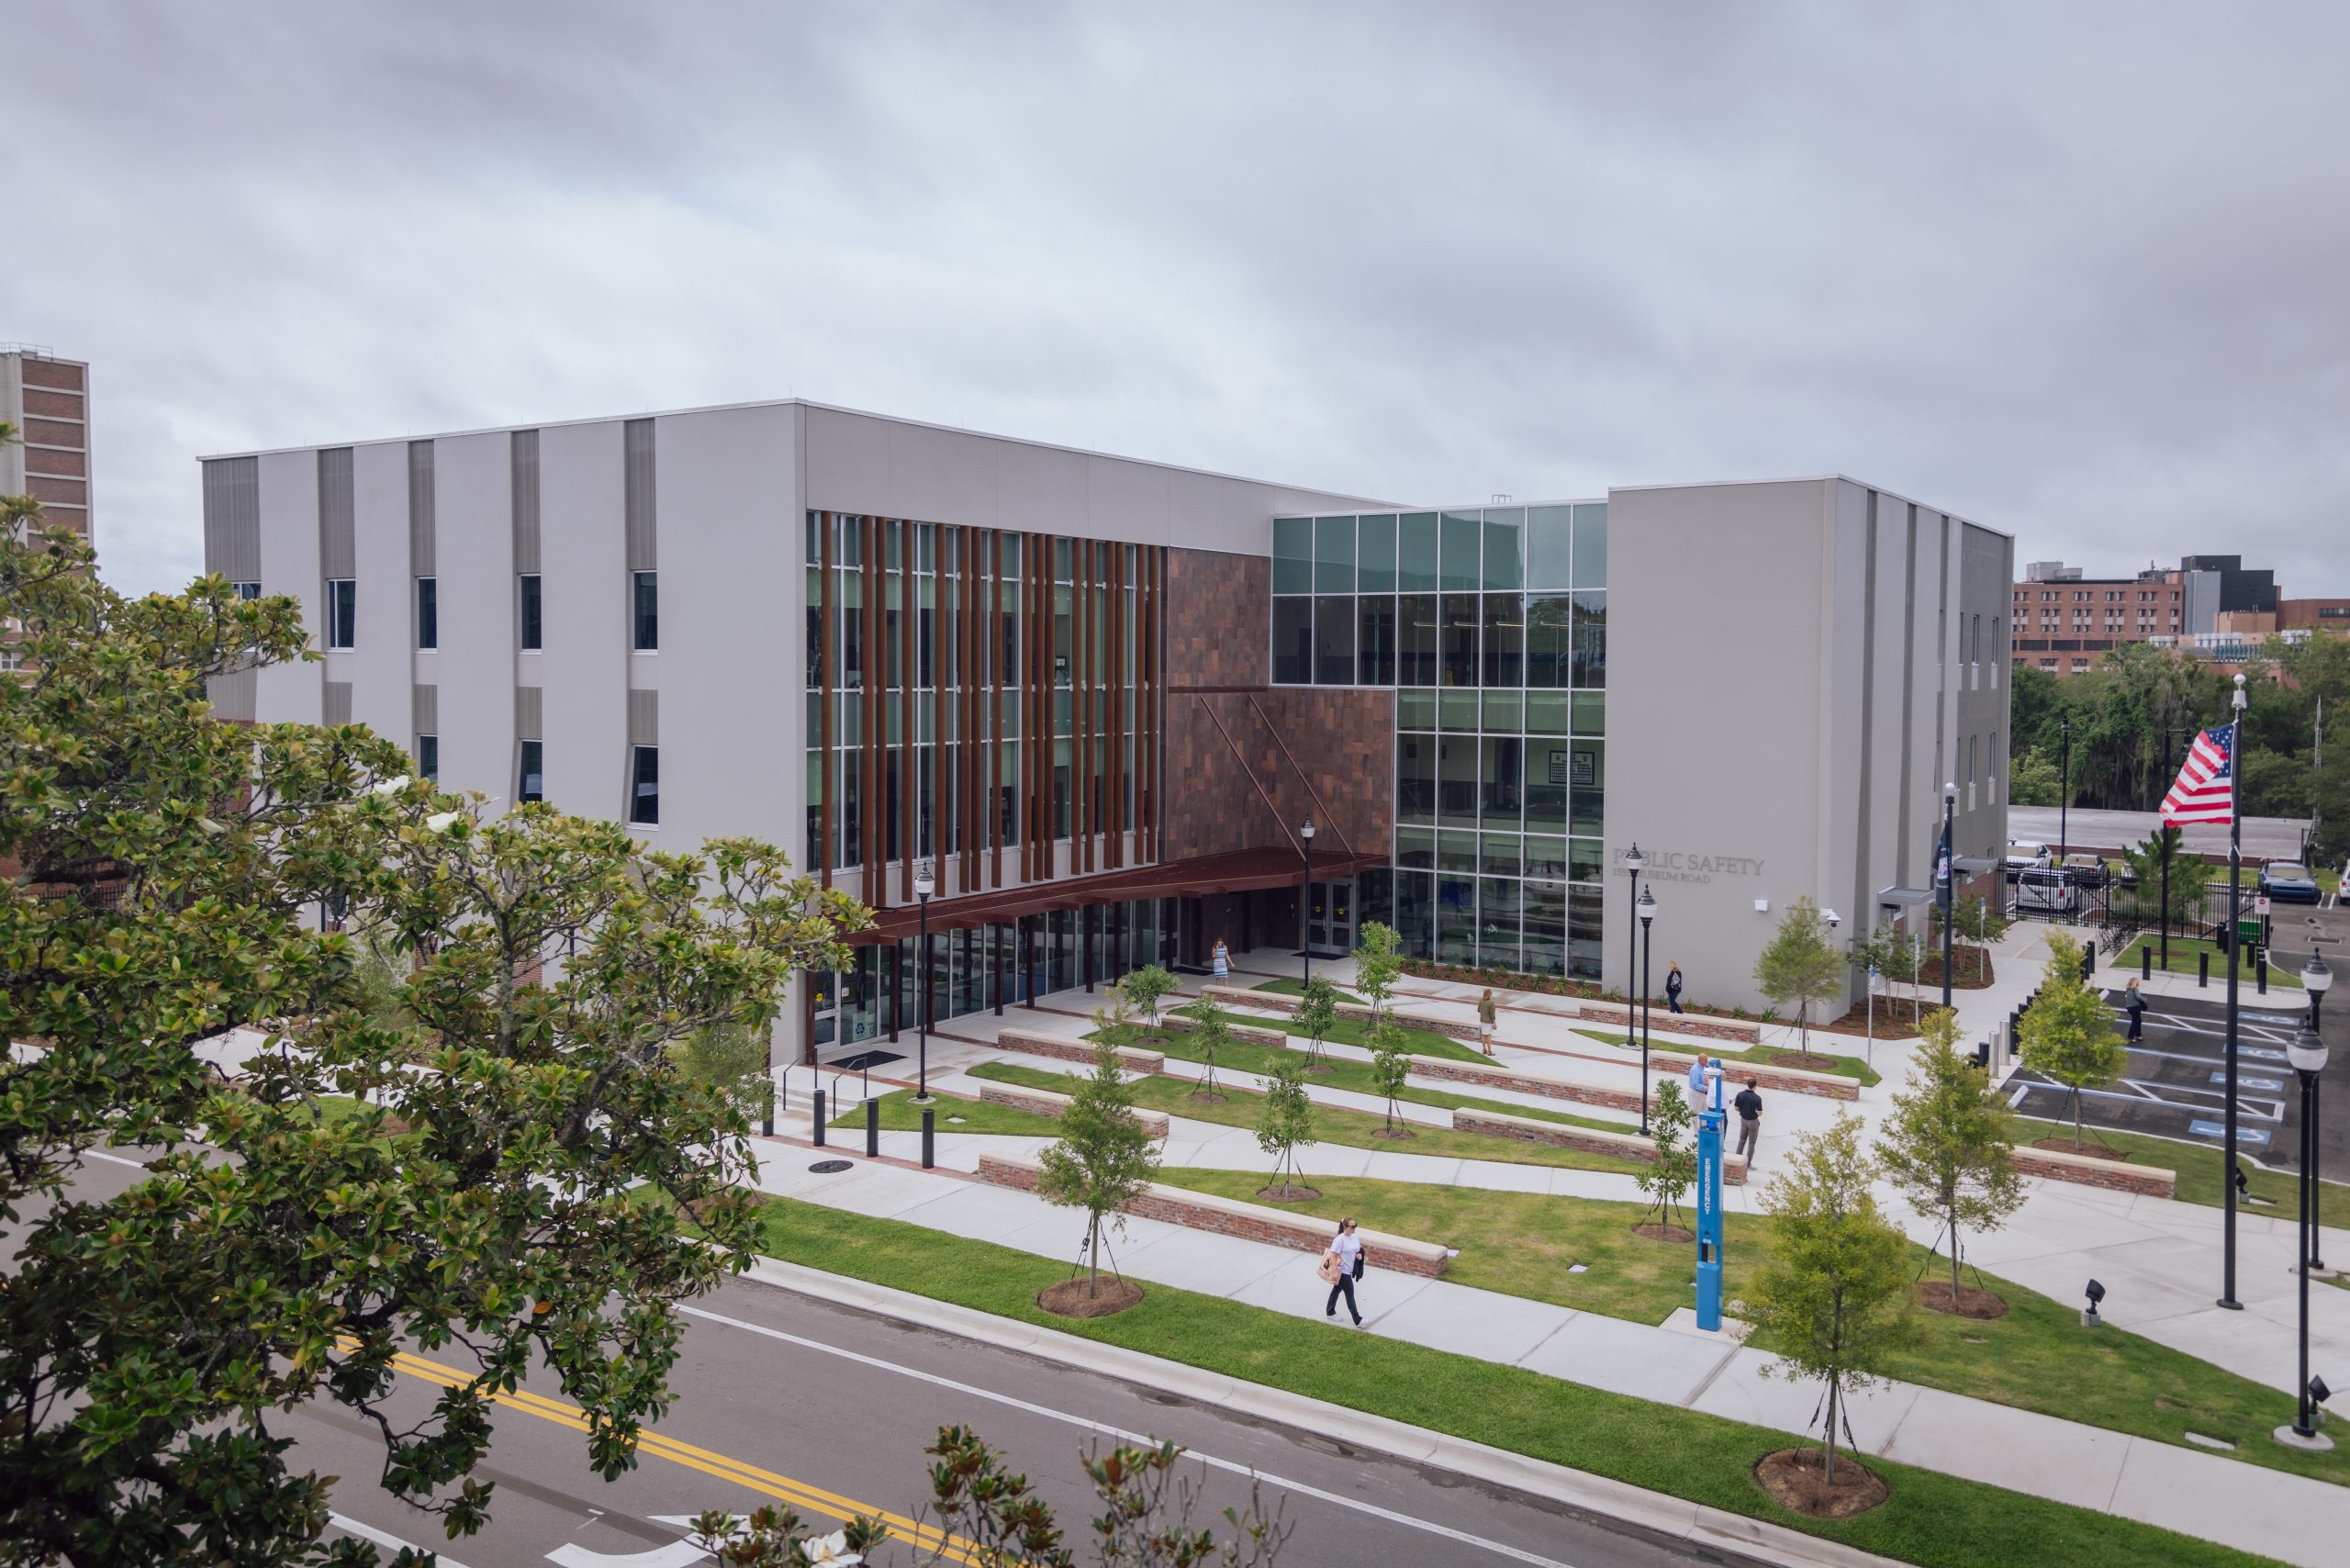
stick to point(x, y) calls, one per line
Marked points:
point(1297, 988)
point(1937, 1521)
point(900, 1114)
point(1346, 1032)
point(1761, 1055)
point(2183, 961)
point(2199, 1170)
point(1354, 1129)
point(2036, 1358)
point(1242, 1057)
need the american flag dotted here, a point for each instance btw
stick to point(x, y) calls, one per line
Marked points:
point(2203, 792)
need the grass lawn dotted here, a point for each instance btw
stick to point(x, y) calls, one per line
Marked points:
point(1930, 1519)
point(2183, 961)
point(1297, 988)
point(1354, 1129)
point(1346, 1032)
point(2199, 1170)
point(1761, 1055)
point(2036, 1358)
point(900, 1114)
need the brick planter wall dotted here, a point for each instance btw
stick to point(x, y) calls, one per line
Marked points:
point(1356, 1012)
point(1045, 1102)
point(1493, 1076)
point(1250, 1221)
point(1743, 1031)
point(1254, 1034)
point(1591, 1141)
point(2112, 1175)
point(1079, 1051)
point(1782, 1079)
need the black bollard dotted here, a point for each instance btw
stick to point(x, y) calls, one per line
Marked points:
point(819, 1119)
point(2145, 963)
point(2260, 972)
point(872, 1128)
point(929, 1136)
point(2203, 969)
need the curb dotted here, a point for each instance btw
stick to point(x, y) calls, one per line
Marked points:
point(1695, 1524)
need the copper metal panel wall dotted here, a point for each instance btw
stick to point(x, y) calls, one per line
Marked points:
point(1219, 620)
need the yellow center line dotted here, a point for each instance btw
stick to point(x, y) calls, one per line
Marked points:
point(799, 1494)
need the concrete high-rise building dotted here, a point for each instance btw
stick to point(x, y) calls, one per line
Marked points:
point(48, 400)
point(1104, 697)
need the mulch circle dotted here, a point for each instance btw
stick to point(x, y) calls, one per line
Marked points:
point(1068, 1299)
point(2067, 1145)
point(1204, 1097)
point(1289, 1193)
point(1796, 1479)
point(1804, 1062)
point(1896, 1019)
point(1397, 1133)
point(1665, 1232)
point(1980, 1304)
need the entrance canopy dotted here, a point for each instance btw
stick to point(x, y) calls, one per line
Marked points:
point(1232, 871)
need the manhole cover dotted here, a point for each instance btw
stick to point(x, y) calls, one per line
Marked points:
point(826, 1167)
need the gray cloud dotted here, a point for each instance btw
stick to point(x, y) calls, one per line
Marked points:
point(2073, 271)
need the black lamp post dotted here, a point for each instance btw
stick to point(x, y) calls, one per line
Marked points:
point(1942, 885)
point(2307, 1053)
point(2064, 790)
point(1633, 862)
point(2315, 977)
point(923, 887)
point(1647, 908)
point(1305, 902)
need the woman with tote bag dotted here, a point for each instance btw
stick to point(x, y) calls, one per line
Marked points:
point(1342, 1265)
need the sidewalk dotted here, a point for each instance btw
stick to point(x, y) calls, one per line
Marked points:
point(2261, 1510)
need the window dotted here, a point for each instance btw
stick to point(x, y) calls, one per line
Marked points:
point(428, 756)
point(247, 590)
point(532, 620)
point(648, 612)
point(645, 786)
point(428, 612)
point(342, 612)
point(533, 783)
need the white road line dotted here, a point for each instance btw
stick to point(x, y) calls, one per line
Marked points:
point(1301, 1488)
point(115, 1158)
point(350, 1526)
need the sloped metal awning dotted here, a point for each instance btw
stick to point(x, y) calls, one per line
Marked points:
point(1898, 897)
point(1976, 865)
point(1233, 871)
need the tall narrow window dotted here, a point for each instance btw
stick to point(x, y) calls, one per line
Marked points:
point(342, 612)
point(532, 785)
point(645, 786)
point(648, 612)
point(428, 756)
point(428, 612)
point(530, 621)
point(247, 590)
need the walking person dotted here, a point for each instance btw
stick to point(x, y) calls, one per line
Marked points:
point(1342, 1265)
point(1221, 961)
point(1749, 1119)
point(1485, 1015)
point(1673, 986)
point(2135, 1000)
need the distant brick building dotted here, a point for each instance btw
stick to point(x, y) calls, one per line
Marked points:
point(48, 400)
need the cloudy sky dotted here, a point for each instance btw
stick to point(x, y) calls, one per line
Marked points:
point(2076, 271)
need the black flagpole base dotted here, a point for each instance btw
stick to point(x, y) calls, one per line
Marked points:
point(2230, 1302)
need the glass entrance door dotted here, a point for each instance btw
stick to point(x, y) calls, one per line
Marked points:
point(1330, 916)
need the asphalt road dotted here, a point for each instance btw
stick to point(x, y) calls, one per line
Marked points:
point(782, 1397)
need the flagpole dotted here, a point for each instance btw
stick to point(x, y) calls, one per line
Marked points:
point(2235, 896)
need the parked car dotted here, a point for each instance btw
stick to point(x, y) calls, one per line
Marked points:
point(2088, 871)
point(2121, 874)
point(2047, 890)
point(2287, 881)
point(2022, 853)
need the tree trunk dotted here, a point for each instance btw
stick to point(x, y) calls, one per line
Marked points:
point(1954, 1262)
point(1827, 1476)
point(2076, 1117)
point(1093, 1256)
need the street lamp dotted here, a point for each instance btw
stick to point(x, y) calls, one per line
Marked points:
point(923, 887)
point(1647, 908)
point(2064, 791)
point(1633, 862)
point(1305, 904)
point(2307, 1053)
point(2315, 977)
point(1942, 878)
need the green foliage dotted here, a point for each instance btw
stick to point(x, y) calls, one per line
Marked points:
point(1286, 1117)
point(1949, 1144)
point(2190, 875)
point(1379, 964)
point(2034, 779)
point(728, 1055)
point(1209, 1036)
point(1799, 965)
point(1891, 951)
point(1104, 1158)
point(161, 868)
point(1316, 1015)
point(1391, 1064)
point(2067, 1033)
point(1833, 1298)
point(1668, 1178)
point(1147, 987)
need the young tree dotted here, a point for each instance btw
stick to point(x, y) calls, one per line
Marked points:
point(1379, 964)
point(727, 1056)
point(1948, 1146)
point(1799, 965)
point(1833, 1295)
point(1147, 987)
point(1391, 1065)
point(2067, 1034)
point(1104, 1157)
point(2190, 875)
point(1286, 1122)
point(164, 867)
point(1667, 1177)
point(1318, 1013)
point(1211, 1033)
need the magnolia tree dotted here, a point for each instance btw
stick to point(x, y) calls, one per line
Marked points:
point(514, 1186)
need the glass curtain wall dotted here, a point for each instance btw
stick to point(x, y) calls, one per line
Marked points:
point(1491, 623)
